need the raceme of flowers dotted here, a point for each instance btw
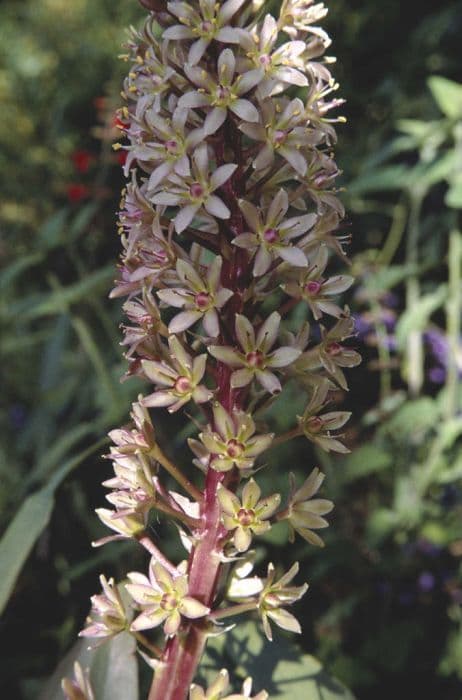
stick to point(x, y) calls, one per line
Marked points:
point(229, 224)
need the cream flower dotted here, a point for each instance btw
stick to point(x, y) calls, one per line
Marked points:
point(271, 235)
point(275, 596)
point(180, 378)
point(163, 599)
point(208, 22)
point(107, 617)
point(201, 296)
point(194, 193)
point(255, 360)
point(223, 93)
point(231, 442)
point(250, 515)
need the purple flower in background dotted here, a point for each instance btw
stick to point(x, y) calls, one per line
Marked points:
point(426, 582)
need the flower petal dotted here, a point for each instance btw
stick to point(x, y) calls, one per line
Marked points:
point(216, 207)
point(245, 110)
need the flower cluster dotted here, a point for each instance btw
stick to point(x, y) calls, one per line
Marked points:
point(228, 223)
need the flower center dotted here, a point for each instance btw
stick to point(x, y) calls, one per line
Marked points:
point(313, 287)
point(196, 190)
point(182, 385)
point(315, 424)
point(234, 448)
point(206, 26)
point(270, 235)
point(223, 92)
point(334, 349)
point(265, 60)
point(171, 146)
point(255, 358)
point(202, 300)
point(168, 601)
point(246, 516)
point(279, 137)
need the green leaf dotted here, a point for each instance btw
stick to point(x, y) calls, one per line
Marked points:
point(9, 274)
point(59, 300)
point(20, 537)
point(392, 177)
point(278, 667)
point(364, 461)
point(28, 523)
point(454, 194)
point(389, 277)
point(411, 419)
point(113, 670)
point(416, 317)
point(448, 96)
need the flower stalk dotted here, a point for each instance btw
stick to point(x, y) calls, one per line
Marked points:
point(228, 223)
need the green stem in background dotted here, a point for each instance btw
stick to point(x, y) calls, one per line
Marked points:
point(395, 234)
point(453, 325)
point(414, 348)
point(176, 473)
point(383, 351)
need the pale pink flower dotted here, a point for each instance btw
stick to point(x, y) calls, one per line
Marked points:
point(210, 21)
point(194, 193)
point(162, 598)
point(201, 297)
point(231, 442)
point(270, 237)
point(248, 515)
point(255, 359)
point(222, 93)
point(180, 378)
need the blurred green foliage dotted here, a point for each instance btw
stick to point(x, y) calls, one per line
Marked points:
point(383, 612)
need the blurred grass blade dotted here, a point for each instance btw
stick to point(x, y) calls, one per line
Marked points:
point(29, 522)
point(20, 537)
point(113, 670)
point(58, 301)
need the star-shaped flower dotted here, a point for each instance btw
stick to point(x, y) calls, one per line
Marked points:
point(249, 515)
point(222, 93)
point(180, 378)
point(283, 66)
point(331, 354)
point(255, 359)
point(201, 296)
point(169, 148)
point(317, 426)
point(283, 131)
point(231, 442)
point(208, 22)
point(304, 513)
point(315, 289)
point(275, 596)
point(194, 193)
point(270, 237)
point(163, 598)
point(107, 617)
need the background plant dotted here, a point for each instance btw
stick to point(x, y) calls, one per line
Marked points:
point(383, 77)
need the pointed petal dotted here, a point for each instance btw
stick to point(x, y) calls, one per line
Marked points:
point(245, 333)
point(268, 332)
point(183, 320)
point(245, 110)
point(269, 381)
point(221, 175)
point(197, 50)
point(216, 207)
point(185, 216)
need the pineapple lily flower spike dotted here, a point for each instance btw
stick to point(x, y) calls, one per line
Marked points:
point(228, 223)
